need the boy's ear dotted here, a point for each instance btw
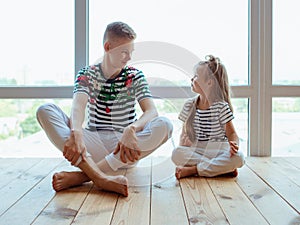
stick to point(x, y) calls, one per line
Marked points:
point(106, 46)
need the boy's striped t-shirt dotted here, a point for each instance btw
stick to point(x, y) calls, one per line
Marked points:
point(111, 102)
point(209, 124)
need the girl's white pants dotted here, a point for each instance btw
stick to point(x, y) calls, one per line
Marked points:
point(211, 158)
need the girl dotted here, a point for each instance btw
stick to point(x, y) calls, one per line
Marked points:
point(208, 143)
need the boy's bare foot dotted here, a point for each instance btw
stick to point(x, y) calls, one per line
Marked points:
point(185, 171)
point(64, 180)
point(118, 184)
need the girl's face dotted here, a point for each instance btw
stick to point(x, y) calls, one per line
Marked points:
point(200, 83)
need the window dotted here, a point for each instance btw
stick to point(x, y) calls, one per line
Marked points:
point(37, 43)
point(286, 35)
point(19, 128)
point(37, 57)
point(285, 127)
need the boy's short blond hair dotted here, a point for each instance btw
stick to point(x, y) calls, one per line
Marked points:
point(118, 30)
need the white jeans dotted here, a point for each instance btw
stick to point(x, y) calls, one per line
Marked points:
point(100, 144)
point(211, 158)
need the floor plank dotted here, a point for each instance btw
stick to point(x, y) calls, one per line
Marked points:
point(65, 205)
point(135, 209)
point(276, 178)
point(289, 170)
point(12, 169)
point(202, 206)
point(18, 187)
point(167, 206)
point(295, 161)
point(6, 163)
point(236, 206)
point(98, 207)
point(264, 198)
point(30, 205)
point(265, 192)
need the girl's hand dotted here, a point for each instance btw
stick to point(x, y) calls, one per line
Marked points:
point(184, 140)
point(234, 147)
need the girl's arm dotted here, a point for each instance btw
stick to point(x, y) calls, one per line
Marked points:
point(184, 139)
point(233, 138)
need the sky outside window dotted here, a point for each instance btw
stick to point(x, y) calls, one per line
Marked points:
point(200, 27)
point(37, 42)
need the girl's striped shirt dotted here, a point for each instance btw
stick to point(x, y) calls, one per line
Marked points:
point(209, 124)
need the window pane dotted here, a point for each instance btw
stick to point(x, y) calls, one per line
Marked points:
point(285, 127)
point(188, 32)
point(286, 45)
point(37, 42)
point(241, 115)
point(20, 133)
point(157, 74)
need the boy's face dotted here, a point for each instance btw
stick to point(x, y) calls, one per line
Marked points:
point(119, 52)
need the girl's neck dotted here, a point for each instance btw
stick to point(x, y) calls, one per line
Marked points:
point(203, 102)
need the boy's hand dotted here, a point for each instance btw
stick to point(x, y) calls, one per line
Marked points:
point(127, 146)
point(74, 148)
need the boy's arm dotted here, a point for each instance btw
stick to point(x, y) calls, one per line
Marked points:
point(127, 146)
point(78, 111)
point(74, 146)
point(149, 112)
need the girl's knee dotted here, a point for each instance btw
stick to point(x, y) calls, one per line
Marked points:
point(239, 159)
point(178, 156)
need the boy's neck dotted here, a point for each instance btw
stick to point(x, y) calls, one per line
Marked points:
point(109, 72)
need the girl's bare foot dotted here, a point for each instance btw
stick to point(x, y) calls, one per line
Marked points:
point(185, 171)
point(64, 180)
point(118, 184)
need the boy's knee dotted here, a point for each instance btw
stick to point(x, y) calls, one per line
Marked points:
point(43, 109)
point(169, 127)
point(43, 112)
point(166, 124)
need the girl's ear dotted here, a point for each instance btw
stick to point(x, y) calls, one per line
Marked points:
point(211, 82)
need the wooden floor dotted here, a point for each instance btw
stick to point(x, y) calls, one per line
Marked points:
point(267, 191)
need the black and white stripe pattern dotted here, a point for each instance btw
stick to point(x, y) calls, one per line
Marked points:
point(209, 123)
point(112, 101)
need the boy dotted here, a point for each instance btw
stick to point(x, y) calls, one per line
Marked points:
point(113, 138)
